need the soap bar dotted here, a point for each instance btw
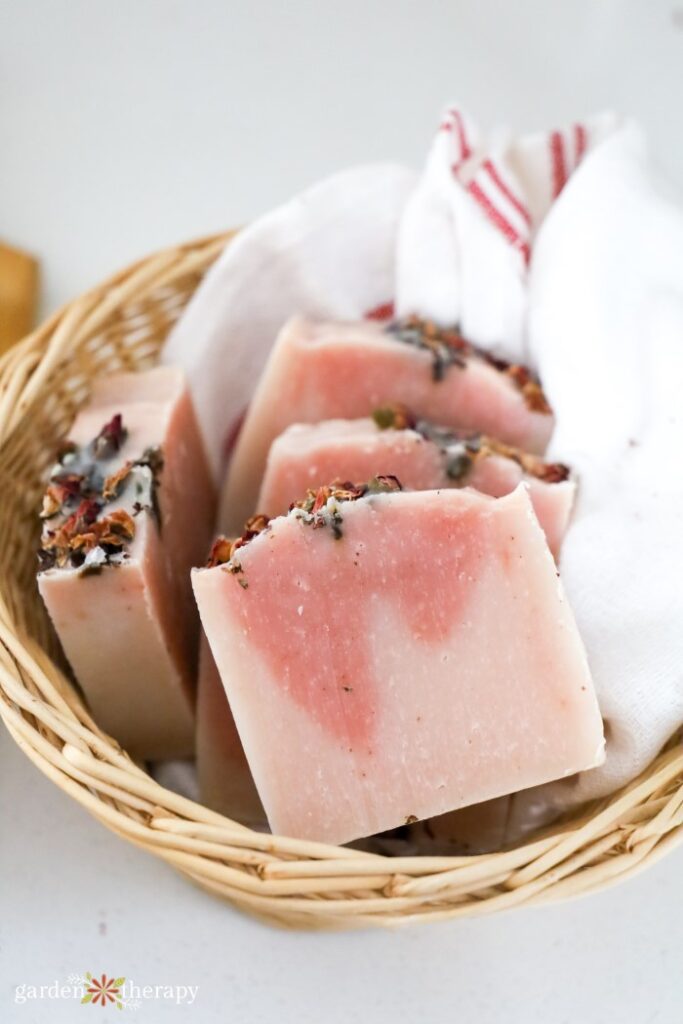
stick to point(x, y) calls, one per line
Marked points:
point(479, 828)
point(128, 511)
point(423, 457)
point(323, 371)
point(393, 656)
point(225, 781)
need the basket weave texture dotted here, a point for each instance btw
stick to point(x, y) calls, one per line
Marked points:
point(43, 381)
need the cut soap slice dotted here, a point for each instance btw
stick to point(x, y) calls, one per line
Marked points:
point(126, 516)
point(322, 371)
point(397, 656)
point(422, 456)
point(225, 781)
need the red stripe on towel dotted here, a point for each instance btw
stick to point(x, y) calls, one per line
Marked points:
point(579, 141)
point(559, 165)
point(495, 177)
point(461, 134)
point(499, 220)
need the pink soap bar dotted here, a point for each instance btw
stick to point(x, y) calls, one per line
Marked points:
point(322, 371)
point(479, 828)
point(397, 656)
point(225, 781)
point(128, 512)
point(422, 456)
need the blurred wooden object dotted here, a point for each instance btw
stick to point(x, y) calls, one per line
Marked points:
point(18, 295)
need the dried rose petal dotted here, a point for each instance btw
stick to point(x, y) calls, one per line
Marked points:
point(120, 524)
point(110, 438)
point(71, 484)
point(52, 503)
point(552, 472)
point(256, 524)
point(221, 552)
point(385, 484)
point(530, 388)
point(114, 483)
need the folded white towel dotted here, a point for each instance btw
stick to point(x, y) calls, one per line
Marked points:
point(465, 239)
point(606, 333)
point(557, 250)
point(328, 252)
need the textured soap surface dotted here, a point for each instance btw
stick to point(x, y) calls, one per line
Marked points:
point(125, 613)
point(396, 657)
point(422, 456)
point(328, 371)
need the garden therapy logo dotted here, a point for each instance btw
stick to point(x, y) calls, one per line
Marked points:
point(104, 990)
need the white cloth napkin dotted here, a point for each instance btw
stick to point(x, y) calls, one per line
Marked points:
point(559, 251)
point(328, 252)
point(606, 333)
point(466, 236)
point(554, 249)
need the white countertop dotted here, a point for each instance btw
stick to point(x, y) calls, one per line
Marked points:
point(126, 127)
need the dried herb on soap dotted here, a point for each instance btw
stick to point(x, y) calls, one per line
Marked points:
point(448, 347)
point(394, 416)
point(83, 532)
point(59, 493)
point(113, 484)
point(552, 472)
point(482, 447)
point(152, 459)
point(81, 529)
point(223, 549)
point(110, 439)
point(531, 389)
point(320, 508)
point(462, 450)
point(458, 464)
point(340, 490)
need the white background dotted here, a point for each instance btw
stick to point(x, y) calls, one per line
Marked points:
point(128, 126)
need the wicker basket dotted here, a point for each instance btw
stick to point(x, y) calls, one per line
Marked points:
point(121, 325)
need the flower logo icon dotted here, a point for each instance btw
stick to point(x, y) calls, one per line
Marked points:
point(103, 990)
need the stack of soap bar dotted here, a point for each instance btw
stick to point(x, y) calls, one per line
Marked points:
point(423, 456)
point(129, 510)
point(322, 371)
point(393, 656)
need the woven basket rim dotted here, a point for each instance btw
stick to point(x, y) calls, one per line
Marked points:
point(282, 880)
